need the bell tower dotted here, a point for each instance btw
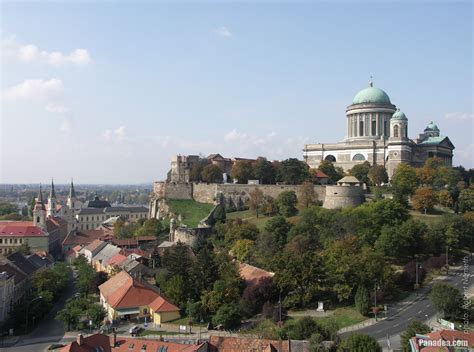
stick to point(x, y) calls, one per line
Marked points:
point(39, 212)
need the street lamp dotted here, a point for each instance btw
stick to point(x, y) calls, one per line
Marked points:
point(417, 266)
point(27, 306)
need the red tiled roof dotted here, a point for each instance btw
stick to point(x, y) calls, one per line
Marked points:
point(94, 245)
point(132, 241)
point(244, 344)
point(251, 273)
point(129, 296)
point(135, 345)
point(77, 248)
point(138, 251)
point(20, 229)
point(162, 305)
point(82, 237)
point(320, 174)
point(116, 259)
point(89, 344)
point(108, 287)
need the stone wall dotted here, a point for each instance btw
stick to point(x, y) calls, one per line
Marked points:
point(190, 236)
point(343, 196)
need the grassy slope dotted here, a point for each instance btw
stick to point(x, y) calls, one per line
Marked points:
point(260, 222)
point(191, 211)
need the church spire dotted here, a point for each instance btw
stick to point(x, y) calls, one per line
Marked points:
point(72, 192)
point(52, 193)
point(40, 201)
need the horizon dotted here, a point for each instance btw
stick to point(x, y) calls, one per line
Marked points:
point(107, 94)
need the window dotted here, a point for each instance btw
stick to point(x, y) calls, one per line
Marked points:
point(385, 132)
point(361, 128)
point(1, 240)
point(330, 158)
point(37, 219)
point(16, 241)
point(395, 131)
point(358, 157)
point(374, 128)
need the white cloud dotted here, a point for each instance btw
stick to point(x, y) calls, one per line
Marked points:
point(33, 90)
point(234, 136)
point(57, 108)
point(66, 126)
point(223, 32)
point(31, 53)
point(117, 135)
point(460, 116)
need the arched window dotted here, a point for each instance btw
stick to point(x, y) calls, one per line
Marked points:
point(358, 157)
point(374, 128)
point(395, 131)
point(37, 219)
point(330, 158)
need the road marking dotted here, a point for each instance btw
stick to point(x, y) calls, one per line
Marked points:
point(396, 325)
point(427, 305)
point(417, 313)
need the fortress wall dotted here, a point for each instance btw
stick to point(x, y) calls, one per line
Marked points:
point(204, 192)
point(178, 191)
point(343, 196)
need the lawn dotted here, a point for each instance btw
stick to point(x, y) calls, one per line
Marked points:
point(343, 317)
point(185, 321)
point(191, 212)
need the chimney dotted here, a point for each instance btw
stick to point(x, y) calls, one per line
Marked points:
point(80, 339)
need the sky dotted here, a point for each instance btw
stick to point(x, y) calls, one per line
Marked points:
point(109, 91)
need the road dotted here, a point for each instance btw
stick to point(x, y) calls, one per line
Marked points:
point(422, 309)
point(49, 330)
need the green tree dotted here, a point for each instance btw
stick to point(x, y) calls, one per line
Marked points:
point(286, 203)
point(211, 173)
point(256, 200)
point(96, 313)
point(196, 170)
point(176, 290)
point(304, 328)
point(447, 299)
point(361, 171)
point(242, 171)
point(279, 227)
point(404, 181)
point(293, 172)
point(264, 171)
point(378, 174)
point(228, 315)
point(415, 327)
point(466, 200)
point(7, 208)
point(334, 173)
point(239, 230)
point(241, 249)
point(362, 300)
point(151, 227)
point(204, 269)
point(307, 194)
point(356, 342)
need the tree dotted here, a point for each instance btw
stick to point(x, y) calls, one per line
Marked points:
point(96, 313)
point(151, 227)
point(256, 200)
point(7, 208)
point(307, 194)
point(356, 342)
point(241, 249)
point(378, 174)
point(286, 203)
point(361, 171)
point(264, 171)
point(279, 228)
point(204, 269)
point(415, 327)
point(228, 315)
point(362, 298)
point(466, 200)
point(195, 174)
point(211, 173)
point(293, 172)
point(239, 230)
point(304, 328)
point(444, 198)
point(176, 290)
point(447, 299)
point(242, 171)
point(404, 181)
point(334, 173)
point(424, 199)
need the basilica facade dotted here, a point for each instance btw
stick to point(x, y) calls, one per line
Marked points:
point(377, 132)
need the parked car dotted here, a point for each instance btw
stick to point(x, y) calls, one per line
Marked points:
point(134, 330)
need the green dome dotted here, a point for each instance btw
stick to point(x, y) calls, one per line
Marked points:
point(432, 127)
point(371, 95)
point(399, 115)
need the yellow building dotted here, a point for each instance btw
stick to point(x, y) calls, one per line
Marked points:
point(125, 298)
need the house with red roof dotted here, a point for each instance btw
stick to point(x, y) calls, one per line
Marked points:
point(124, 297)
point(14, 234)
point(92, 343)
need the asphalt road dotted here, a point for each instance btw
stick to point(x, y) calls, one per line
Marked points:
point(422, 309)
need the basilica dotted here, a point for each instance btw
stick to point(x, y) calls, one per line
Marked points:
point(377, 132)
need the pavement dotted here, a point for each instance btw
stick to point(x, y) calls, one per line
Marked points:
point(417, 307)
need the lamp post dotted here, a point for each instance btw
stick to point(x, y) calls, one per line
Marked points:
point(417, 266)
point(376, 287)
point(447, 261)
point(27, 306)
